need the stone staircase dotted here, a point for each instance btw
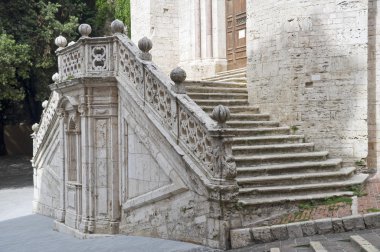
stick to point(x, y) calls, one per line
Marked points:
point(273, 164)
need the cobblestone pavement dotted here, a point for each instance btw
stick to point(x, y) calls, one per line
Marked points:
point(332, 243)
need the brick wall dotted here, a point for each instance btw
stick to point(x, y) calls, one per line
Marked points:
point(307, 66)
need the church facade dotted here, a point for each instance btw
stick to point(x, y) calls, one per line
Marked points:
point(309, 64)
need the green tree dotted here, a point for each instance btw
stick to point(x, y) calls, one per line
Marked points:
point(38, 22)
point(15, 63)
point(108, 10)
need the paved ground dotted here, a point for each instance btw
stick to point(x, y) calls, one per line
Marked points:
point(20, 230)
point(332, 243)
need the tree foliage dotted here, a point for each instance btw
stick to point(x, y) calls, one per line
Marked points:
point(108, 10)
point(27, 32)
point(15, 62)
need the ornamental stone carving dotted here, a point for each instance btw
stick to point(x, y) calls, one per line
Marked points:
point(61, 42)
point(117, 26)
point(35, 127)
point(84, 30)
point(220, 114)
point(44, 104)
point(55, 77)
point(145, 45)
point(178, 75)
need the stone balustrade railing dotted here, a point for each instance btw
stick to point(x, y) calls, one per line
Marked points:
point(202, 138)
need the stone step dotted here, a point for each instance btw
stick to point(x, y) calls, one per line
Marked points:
point(317, 246)
point(224, 76)
point(225, 102)
point(195, 89)
point(245, 160)
point(235, 109)
point(252, 124)
point(363, 244)
point(233, 79)
point(257, 131)
point(272, 148)
point(326, 165)
point(213, 84)
point(233, 71)
point(259, 140)
point(299, 189)
point(216, 96)
point(291, 179)
point(247, 116)
point(247, 200)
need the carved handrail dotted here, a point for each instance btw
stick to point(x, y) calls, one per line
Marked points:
point(46, 118)
point(187, 123)
point(199, 136)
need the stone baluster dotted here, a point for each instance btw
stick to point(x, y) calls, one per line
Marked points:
point(145, 45)
point(178, 75)
point(227, 167)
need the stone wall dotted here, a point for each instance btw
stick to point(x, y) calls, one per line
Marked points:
point(373, 92)
point(307, 67)
point(180, 36)
point(158, 20)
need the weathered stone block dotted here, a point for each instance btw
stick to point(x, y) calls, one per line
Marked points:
point(324, 226)
point(262, 234)
point(308, 228)
point(354, 222)
point(337, 225)
point(372, 220)
point(294, 230)
point(279, 232)
point(240, 238)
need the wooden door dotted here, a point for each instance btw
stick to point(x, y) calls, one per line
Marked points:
point(236, 17)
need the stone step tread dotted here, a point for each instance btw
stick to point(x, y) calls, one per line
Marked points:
point(221, 100)
point(324, 163)
point(291, 198)
point(272, 146)
point(256, 129)
point(224, 76)
point(243, 69)
point(282, 155)
point(234, 108)
point(234, 79)
point(317, 246)
point(191, 89)
point(260, 138)
point(342, 172)
point(216, 94)
point(248, 115)
point(354, 180)
point(363, 244)
point(215, 84)
point(248, 124)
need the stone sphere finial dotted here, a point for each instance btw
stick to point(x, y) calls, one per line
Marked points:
point(178, 75)
point(61, 42)
point(145, 45)
point(84, 30)
point(44, 104)
point(117, 26)
point(35, 127)
point(55, 77)
point(221, 114)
